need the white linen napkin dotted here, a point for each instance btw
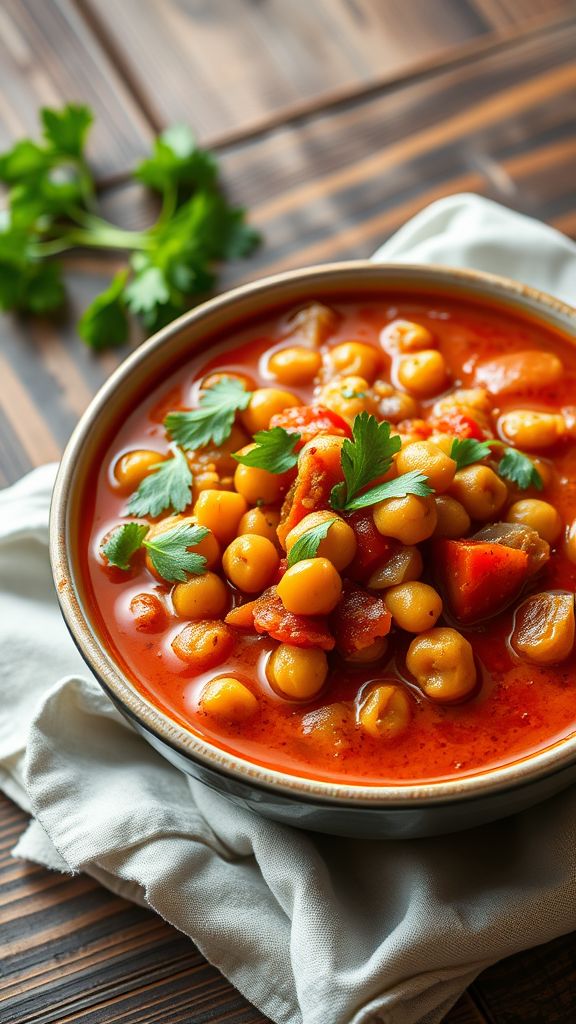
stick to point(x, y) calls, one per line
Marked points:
point(312, 929)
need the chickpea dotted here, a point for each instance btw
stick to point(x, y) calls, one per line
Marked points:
point(482, 493)
point(540, 515)
point(404, 565)
point(570, 542)
point(220, 512)
point(264, 404)
point(348, 396)
point(228, 698)
point(204, 644)
point(207, 480)
point(545, 470)
point(406, 336)
point(385, 713)
point(442, 663)
point(256, 484)
point(366, 655)
point(201, 597)
point(410, 519)
point(473, 400)
point(414, 606)
point(520, 371)
point(148, 613)
point(251, 562)
point(295, 365)
point(311, 587)
point(394, 405)
point(422, 374)
point(532, 430)
point(339, 544)
point(215, 378)
point(453, 519)
point(429, 459)
point(354, 357)
point(330, 728)
point(544, 628)
point(298, 673)
point(208, 547)
point(132, 467)
point(262, 521)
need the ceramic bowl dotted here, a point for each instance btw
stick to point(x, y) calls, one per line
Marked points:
point(338, 808)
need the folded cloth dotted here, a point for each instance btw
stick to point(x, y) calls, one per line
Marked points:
point(312, 929)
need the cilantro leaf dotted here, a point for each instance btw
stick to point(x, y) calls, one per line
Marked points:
point(170, 556)
point(467, 450)
point(518, 468)
point(104, 323)
point(307, 545)
point(274, 451)
point(169, 486)
point(366, 457)
point(66, 129)
point(123, 542)
point(413, 482)
point(52, 205)
point(211, 422)
point(177, 161)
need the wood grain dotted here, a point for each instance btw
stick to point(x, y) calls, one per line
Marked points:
point(336, 122)
point(234, 62)
point(48, 56)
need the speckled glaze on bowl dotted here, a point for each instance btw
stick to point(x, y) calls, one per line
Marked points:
point(349, 810)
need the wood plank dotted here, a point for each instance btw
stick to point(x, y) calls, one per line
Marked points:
point(225, 65)
point(75, 952)
point(48, 56)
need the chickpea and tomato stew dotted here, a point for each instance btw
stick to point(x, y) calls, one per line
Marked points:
point(343, 545)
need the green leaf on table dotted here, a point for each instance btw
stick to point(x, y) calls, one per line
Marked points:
point(169, 485)
point(307, 545)
point(104, 323)
point(177, 161)
point(274, 451)
point(212, 421)
point(170, 556)
point(66, 129)
point(364, 458)
point(465, 451)
point(122, 544)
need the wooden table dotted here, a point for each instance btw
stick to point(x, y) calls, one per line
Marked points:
point(334, 121)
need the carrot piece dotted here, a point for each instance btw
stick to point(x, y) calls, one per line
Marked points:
point(242, 616)
point(477, 579)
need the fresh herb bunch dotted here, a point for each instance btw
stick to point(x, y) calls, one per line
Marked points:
point(52, 208)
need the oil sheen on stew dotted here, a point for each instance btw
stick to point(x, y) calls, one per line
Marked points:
point(382, 588)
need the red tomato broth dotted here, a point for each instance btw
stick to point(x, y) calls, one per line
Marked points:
point(519, 708)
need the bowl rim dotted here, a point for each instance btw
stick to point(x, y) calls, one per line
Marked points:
point(552, 759)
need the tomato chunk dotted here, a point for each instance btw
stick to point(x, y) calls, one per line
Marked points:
point(458, 423)
point(270, 616)
point(478, 579)
point(358, 620)
point(372, 548)
point(309, 421)
point(319, 469)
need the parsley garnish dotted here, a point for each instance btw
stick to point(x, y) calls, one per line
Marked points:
point(170, 556)
point(407, 483)
point(169, 486)
point(123, 542)
point(307, 545)
point(518, 468)
point(53, 208)
point(467, 450)
point(364, 459)
point(274, 451)
point(212, 422)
